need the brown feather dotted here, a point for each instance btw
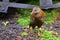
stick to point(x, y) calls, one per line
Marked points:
point(36, 18)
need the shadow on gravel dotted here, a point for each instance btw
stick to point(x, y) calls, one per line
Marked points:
point(9, 15)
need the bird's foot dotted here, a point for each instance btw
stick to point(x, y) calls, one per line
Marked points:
point(38, 35)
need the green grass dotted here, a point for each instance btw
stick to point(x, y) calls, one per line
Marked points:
point(23, 21)
point(48, 35)
point(50, 15)
point(24, 18)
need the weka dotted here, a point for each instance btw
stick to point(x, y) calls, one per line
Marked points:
point(36, 18)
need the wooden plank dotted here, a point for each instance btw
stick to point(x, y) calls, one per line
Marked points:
point(57, 5)
point(46, 3)
point(19, 5)
point(5, 4)
point(3, 7)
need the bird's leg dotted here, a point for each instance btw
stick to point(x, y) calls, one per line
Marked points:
point(38, 32)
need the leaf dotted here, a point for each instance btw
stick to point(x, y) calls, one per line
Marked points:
point(5, 23)
point(23, 34)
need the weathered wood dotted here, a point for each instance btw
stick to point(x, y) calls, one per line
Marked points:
point(44, 4)
point(57, 5)
point(19, 5)
point(3, 7)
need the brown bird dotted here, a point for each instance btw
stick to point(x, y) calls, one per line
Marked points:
point(36, 19)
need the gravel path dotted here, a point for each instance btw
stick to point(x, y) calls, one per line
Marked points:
point(10, 31)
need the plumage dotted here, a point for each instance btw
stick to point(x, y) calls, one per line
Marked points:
point(36, 18)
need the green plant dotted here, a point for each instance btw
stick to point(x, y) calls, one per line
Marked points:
point(24, 12)
point(23, 34)
point(50, 15)
point(23, 21)
point(47, 35)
